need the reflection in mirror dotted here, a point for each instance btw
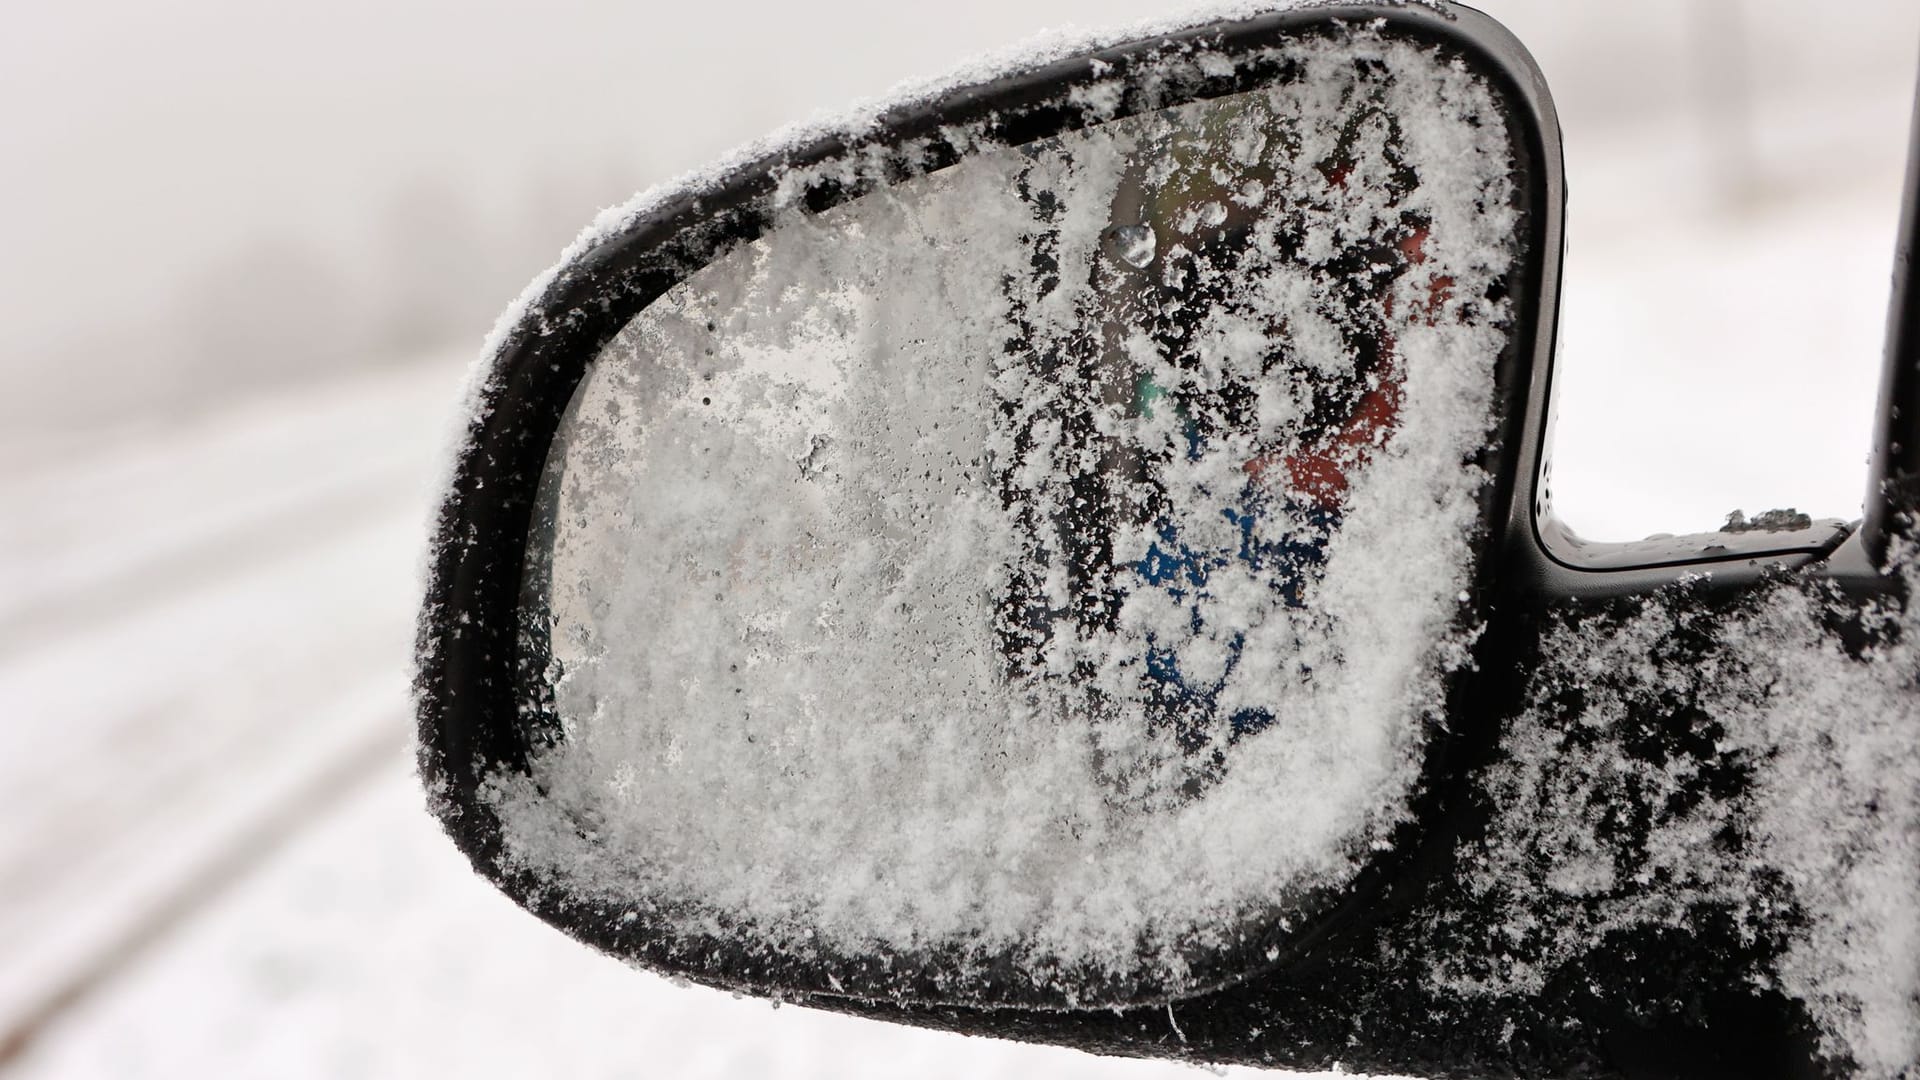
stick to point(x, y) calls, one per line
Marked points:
point(1043, 572)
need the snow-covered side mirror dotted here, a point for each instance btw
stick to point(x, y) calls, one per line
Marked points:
point(1061, 558)
point(1019, 556)
point(1036, 580)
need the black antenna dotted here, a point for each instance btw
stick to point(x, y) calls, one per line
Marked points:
point(1893, 475)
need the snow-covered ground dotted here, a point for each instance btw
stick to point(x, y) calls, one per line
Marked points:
point(203, 635)
point(214, 861)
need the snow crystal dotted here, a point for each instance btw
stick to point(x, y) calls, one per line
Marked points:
point(949, 573)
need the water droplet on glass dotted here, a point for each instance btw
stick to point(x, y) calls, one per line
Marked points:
point(1130, 244)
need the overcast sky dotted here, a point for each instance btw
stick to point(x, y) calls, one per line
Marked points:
point(152, 157)
point(139, 141)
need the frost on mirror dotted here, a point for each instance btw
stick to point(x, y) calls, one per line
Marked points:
point(1049, 565)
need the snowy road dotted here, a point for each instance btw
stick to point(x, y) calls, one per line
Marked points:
point(202, 635)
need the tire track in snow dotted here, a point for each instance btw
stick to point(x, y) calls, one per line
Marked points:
point(202, 561)
point(120, 811)
point(264, 835)
point(207, 648)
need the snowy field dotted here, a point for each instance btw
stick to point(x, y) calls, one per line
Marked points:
point(213, 855)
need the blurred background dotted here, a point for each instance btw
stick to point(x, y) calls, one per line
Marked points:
point(249, 251)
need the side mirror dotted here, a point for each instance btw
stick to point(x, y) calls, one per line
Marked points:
point(1064, 560)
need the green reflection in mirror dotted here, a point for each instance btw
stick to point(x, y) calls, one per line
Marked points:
point(1052, 562)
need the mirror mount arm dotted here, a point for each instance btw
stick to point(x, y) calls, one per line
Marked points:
point(1894, 471)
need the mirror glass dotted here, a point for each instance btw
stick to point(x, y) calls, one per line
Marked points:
point(1043, 572)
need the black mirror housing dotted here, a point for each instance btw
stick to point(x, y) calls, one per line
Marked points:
point(1592, 869)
